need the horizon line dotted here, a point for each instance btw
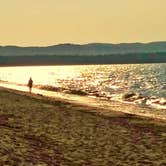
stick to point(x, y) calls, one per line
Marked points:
point(68, 43)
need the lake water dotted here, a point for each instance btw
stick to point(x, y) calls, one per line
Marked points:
point(143, 84)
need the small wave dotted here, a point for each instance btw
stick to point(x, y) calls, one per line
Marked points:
point(60, 89)
point(129, 97)
point(159, 103)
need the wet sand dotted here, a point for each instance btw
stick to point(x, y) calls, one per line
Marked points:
point(37, 130)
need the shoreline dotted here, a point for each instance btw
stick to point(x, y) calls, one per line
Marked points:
point(96, 108)
point(118, 106)
point(38, 130)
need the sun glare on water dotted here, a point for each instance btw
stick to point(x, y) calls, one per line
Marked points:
point(40, 74)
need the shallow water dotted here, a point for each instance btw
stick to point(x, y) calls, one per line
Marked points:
point(137, 83)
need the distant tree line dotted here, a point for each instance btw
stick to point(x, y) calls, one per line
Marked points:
point(74, 59)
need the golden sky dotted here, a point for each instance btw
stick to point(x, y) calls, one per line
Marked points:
point(48, 22)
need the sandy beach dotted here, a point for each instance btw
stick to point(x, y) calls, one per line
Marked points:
point(37, 130)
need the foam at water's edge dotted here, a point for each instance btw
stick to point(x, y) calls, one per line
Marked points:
point(133, 98)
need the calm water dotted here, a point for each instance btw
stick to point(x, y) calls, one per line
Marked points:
point(140, 83)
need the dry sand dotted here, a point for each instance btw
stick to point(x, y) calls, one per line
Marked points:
point(40, 131)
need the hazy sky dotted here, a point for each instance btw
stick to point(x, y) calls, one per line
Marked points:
point(47, 22)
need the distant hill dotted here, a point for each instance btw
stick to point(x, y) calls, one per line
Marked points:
point(95, 53)
point(87, 49)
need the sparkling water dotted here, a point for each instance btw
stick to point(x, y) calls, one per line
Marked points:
point(105, 81)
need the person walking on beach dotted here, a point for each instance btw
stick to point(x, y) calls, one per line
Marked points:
point(30, 84)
